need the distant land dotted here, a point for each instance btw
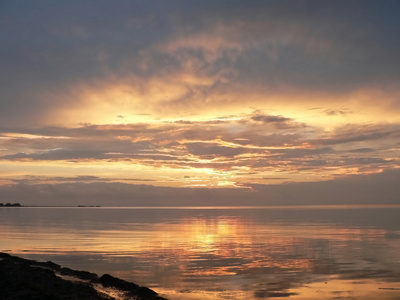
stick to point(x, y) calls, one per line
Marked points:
point(10, 205)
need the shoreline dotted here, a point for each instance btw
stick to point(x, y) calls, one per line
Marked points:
point(22, 279)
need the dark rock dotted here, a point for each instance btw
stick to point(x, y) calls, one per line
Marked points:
point(84, 275)
point(110, 281)
point(47, 264)
point(143, 292)
point(22, 279)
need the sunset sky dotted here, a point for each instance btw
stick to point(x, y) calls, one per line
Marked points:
point(199, 102)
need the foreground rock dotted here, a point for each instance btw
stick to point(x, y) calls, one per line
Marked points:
point(22, 279)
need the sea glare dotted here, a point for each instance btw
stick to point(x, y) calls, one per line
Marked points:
point(321, 252)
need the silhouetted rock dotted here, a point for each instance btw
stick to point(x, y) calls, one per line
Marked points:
point(134, 290)
point(22, 279)
point(84, 275)
point(110, 281)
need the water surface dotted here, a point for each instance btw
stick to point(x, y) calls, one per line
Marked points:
point(221, 253)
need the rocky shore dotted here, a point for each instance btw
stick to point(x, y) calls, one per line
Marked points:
point(22, 279)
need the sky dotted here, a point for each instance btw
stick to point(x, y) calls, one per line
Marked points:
point(199, 102)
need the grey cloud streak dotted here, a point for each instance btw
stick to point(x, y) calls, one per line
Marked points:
point(358, 133)
point(27, 180)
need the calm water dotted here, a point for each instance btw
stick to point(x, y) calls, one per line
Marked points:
point(226, 253)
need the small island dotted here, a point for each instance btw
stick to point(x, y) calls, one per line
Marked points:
point(10, 205)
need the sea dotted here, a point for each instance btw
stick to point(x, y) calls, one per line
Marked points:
point(297, 252)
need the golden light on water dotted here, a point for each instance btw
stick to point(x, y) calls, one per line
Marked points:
point(263, 251)
point(332, 288)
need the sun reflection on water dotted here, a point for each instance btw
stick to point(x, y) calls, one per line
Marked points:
point(206, 254)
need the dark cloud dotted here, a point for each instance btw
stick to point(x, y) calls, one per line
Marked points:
point(371, 189)
point(213, 150)
point(362, 150)
point(356, 189)
point(278, 122)
point(51, 50)
point(359, 133)
point(365, 161)
point(270, 119)
point(331, 112)
point(58, 154)
point(296, 153)
point(83, 178)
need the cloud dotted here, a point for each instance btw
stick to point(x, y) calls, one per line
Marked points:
point(270, 119)
point(185, 58)
point(359, 132)
point(278, 122)
point(362, 150)
point(162, 140)
point(371, 189)
point(331, 112)
point(35, 180)
point(224, 151)
point(213, 150)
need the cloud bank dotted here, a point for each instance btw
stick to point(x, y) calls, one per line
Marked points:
point(354, 190)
